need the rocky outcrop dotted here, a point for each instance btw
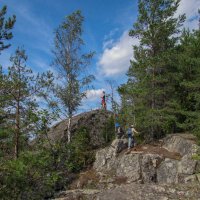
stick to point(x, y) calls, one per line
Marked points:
point(171, 163)
point(94, 120)
point(135, 191)
point(181, 143)
point(166, 171)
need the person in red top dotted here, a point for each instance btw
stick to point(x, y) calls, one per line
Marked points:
point(103, 101)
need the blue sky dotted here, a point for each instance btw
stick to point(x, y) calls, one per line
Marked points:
point(105, 28)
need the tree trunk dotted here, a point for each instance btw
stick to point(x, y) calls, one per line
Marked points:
point(69, 130)
point(17, 132)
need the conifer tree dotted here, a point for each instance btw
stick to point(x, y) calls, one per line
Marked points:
point(5, 34)
point(71, 63)
point(22, 88)
point(151, 77)
point(5, 28)
point(188, 86)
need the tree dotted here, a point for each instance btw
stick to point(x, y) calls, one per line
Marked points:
point(114, 105)
point(151, 77)
point(22, 88)
point(5, 28)
point(5, 34)
point(188, 86)
point(72, 63)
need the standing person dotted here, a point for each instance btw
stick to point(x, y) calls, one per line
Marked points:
point(103, 101)
point(118, 129)
point(131, 139)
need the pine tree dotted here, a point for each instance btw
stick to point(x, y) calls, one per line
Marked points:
point(5, 34)
point(22, 88)
point(5, 28)
point(151, 76)
point(72, 64)
point(188, 86)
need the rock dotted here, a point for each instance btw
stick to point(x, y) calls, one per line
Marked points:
point(198, 177)
point(187, 165)
point(191, 178)
point(167, 171)
point(94, 120)
point(119, 145)
point(197, 167)
point(180, 143)
point(146, 173)
point(104, 158)
point(76, 194)
point(147, 167)
point(134, 191)
point(149, 164)
point(129, 166)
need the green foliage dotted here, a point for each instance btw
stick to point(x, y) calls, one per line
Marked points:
point(29, 177)
point(188, 87)
point(71, 63)
point(5, 28)
point(19, 91)
point(196, 157)
point(80, 153)
point(148, 95)
point(108, 130)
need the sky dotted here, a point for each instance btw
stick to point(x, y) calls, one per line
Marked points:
point(106, 25)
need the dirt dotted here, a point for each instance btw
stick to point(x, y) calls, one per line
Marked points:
point(155, 149)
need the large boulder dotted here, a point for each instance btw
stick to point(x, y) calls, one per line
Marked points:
point(119, 145)
point(129, 166)
point(167, 171)
point(187, 165)
point(106, 158)
point(95, 121)
point(149, 164)
point(181, 143)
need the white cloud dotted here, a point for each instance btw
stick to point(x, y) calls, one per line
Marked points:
point(116, 60)
point(190, 8)
point(108, 43)
point(111, 34)
point(39, 63)
point(93, 95)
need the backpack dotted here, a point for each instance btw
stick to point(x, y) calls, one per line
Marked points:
point(129, 132)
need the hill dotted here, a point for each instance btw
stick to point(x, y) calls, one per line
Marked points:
point(163, 170)
point(95, 121)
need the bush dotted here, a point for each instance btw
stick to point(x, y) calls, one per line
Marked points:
point(38, 174)
point(29, 177)
point(80, 153)
point(109, 130)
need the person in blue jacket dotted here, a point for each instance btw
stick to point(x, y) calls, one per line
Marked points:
point(118, 129)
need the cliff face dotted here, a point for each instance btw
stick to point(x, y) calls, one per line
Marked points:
point(165, 170)
point(169, 162)
point(94, 121)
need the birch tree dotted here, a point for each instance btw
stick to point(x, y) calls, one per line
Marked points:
point(71, 63)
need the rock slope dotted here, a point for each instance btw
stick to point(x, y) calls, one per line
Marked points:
point(165, 170)
point(170, 162)
point(94, 120)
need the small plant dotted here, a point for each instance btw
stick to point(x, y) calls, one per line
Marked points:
point(108, 131)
